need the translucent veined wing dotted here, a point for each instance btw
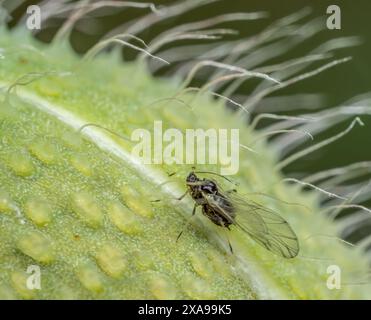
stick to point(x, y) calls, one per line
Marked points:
point(262, 224)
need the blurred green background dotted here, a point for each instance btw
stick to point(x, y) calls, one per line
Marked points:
point(337, 84)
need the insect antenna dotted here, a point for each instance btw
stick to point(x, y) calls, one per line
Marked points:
point(187, 224)
point(219, 175)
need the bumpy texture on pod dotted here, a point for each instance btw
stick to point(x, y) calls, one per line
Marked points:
point(79, 206)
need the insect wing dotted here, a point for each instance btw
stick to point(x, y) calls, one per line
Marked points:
point(262, 224)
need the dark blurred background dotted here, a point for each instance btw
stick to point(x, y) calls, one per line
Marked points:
point(336, 84)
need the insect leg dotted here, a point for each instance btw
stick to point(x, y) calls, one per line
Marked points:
point(186, 225)
point(179, 198)
point(229, 243)
point(182, 196)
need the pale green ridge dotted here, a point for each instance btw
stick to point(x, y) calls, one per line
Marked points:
point(79, 204)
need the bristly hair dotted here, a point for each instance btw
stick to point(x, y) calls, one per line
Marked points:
point(227, 62)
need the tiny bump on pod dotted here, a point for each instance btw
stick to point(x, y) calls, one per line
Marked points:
point(44, 151)
point(90, 277)
point(39, 211)
point(161, 287)
point(82, 164)
point(135, 201)
point(6, 202)
point(218, 263)
point(124, 219)
point(201, 264)
point(21, 164)
point(19, 283)
point(197, 288)
point(87, 208)
point(37, 246)
point(111, 260)
point(72, 140)
point(142, 260)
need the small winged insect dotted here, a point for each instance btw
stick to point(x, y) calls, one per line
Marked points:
point(228, 208)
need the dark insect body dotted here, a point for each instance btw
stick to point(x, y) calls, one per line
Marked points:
point(227, 208)
point(199, 188)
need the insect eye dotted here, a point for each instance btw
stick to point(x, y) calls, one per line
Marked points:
point(191, 178)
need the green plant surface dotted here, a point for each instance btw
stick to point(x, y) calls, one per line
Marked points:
point(81, 206)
